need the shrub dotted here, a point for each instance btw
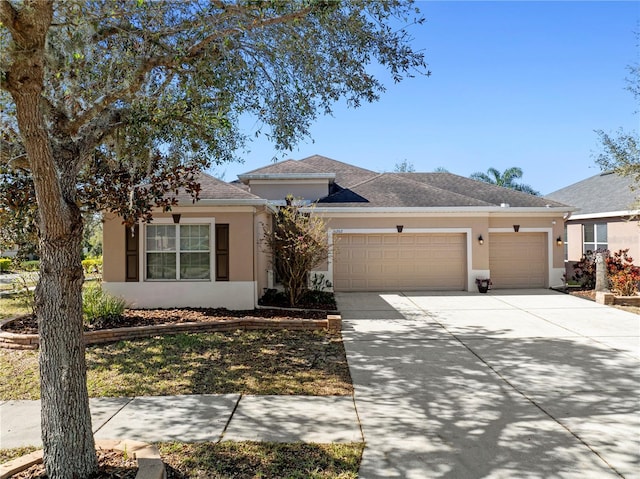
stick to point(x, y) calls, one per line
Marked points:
point(623, 275)
point(99, 305)
point(24, 286)
point(33, 265)
point(584, 272)
point(92, 265)
point(5, 265)
point(297, 243)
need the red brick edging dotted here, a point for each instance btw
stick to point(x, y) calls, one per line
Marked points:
point(333, 323)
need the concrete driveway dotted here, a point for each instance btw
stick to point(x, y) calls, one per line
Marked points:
point(509, 384)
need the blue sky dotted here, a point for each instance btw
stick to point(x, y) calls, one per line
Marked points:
point(513, 84)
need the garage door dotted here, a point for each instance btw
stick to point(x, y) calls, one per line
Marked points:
point(399, 261)
point(518, 260)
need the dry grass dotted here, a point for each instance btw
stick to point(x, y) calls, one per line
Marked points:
point(251, 362)
point(264, 460)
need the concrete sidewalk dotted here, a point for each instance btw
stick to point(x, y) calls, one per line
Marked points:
point(209, 417)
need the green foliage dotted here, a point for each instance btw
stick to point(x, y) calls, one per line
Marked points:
point(92, 265)
point(33, 265)
point(297, 243)
point(5, 265)
point(506, 179)
point(98, 304)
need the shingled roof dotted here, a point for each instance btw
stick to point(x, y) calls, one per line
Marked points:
point(358, 187)
point(214, 189)
point(420, 190)
point(603, 193)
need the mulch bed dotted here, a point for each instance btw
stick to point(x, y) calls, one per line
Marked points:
point(112, 465)
point(153, 317)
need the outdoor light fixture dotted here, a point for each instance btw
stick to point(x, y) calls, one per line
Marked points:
point(399, 228)
point(559, 241)
point(480, 240)
point(516, 228)
point(176, 218)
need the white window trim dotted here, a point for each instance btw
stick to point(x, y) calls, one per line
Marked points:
point(183, 221)
point(595, 237)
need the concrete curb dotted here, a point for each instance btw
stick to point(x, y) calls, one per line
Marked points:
point(150, 465)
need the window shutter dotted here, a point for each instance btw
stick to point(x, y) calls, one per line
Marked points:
point(132, 246)
point(222, 252)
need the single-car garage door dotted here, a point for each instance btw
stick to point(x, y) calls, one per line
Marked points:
point(518, 260)
point(399, 261)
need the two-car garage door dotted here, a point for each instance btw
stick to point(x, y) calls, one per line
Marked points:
point(400, 261)
point(435, 261)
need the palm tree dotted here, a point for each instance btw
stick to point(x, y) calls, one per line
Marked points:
point(506, 179)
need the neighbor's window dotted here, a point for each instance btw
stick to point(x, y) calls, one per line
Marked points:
point(595, 237)
point(178, 252)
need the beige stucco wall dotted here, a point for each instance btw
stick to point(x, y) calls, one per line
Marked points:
point(242, 251)
point(308, 190)
point(621, 234)
point(479, 225)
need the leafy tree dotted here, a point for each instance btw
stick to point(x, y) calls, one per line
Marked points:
point(621, 151)
point(440, 169)
point(297, 244)
point(404, 167)
point(506, 179)
point(115, 105)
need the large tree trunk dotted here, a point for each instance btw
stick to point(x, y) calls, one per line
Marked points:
point(69, 448)
point(67, 437)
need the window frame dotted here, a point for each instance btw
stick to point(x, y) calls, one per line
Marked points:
point(597, 245)
point(209, 222)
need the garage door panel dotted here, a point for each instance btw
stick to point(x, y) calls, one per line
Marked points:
point(400, 261)
point(518, 260)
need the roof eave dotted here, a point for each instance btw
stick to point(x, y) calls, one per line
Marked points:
point(492, 210)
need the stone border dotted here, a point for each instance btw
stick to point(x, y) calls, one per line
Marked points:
point(610, 299)
point(150, 465)
point(333, 324)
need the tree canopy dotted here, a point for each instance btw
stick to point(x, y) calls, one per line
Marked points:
point(506, 179)
point(113, 106)
point(620, 151)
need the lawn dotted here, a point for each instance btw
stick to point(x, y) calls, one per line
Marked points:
point(250, 460)
point(249, 362)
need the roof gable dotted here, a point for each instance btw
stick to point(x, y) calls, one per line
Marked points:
point(602, 193)
point(346, 174)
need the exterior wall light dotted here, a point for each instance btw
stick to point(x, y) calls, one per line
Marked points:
point(399, 228)
point(516, 228)
point(559, 241)
point(480, 240)
point(176, 218)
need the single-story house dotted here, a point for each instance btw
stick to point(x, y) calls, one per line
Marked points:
point(387, 231)
point(606, 217)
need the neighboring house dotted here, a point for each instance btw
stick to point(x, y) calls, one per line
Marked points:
point(606, 217)
point(388, 232)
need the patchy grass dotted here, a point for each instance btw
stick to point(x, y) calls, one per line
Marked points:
point(261, 459)
point(250, 460)
point(251, 362)
point(12, 306)
point(14, 453)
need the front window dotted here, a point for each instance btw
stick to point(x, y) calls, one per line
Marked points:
point(178, 252)
point(595, 237)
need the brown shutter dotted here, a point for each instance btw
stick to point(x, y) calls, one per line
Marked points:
point(132, 247)
point(222, 252)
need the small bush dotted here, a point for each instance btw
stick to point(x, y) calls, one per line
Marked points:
point(33, 265)
point(98, 305)
point(5, 265)
point(92, 265)
point(24, 286)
